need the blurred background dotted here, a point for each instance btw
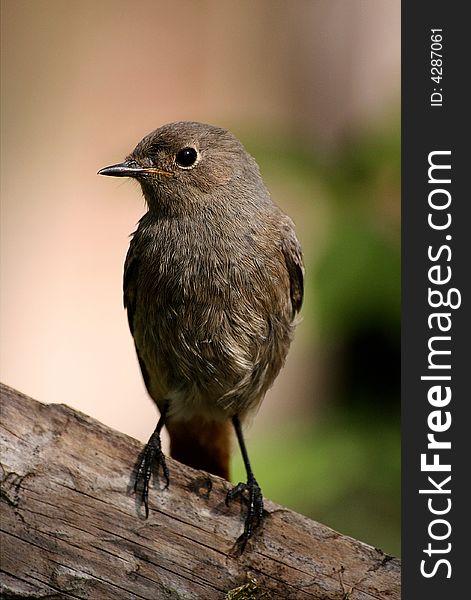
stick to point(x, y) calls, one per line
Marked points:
point(312, 89)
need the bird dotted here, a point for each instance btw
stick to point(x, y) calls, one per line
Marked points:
point(213, 284)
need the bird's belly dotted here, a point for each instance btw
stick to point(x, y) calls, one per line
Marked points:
point(209, 360)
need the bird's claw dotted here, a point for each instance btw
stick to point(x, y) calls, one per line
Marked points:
point(254, 515)
point(151, 457)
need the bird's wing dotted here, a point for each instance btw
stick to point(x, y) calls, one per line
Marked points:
point(131, 267)
point(294, 263)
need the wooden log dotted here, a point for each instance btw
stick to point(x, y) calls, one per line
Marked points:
point(72, 527)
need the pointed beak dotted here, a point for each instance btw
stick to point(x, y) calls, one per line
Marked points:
point(129, 168)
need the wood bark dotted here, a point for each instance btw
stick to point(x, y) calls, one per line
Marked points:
point(73, 528)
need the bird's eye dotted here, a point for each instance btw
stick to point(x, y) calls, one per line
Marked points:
point(186, 157)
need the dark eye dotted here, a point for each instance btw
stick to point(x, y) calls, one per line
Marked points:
point(186, 157)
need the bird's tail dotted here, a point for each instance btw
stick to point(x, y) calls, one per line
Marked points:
point(201, 444)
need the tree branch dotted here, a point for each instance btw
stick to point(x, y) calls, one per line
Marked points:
point(72, 528)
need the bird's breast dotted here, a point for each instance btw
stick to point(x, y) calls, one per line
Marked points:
point(212, 323)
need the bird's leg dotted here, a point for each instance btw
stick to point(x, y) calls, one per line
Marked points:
point(255, 497)
point(151, 456)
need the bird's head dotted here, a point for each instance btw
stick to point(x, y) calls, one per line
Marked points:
point(187, 161)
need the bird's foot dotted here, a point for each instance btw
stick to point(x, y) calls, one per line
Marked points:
point(254, 499)
point(151, 458)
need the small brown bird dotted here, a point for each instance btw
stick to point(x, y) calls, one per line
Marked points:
point(213, 280)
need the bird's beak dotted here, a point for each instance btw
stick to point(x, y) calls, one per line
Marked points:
point(130, 169)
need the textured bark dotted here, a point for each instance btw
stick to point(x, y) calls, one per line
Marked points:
point(72, 528)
